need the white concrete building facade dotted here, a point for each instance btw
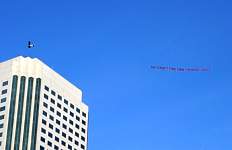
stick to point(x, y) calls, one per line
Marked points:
point(39, 109)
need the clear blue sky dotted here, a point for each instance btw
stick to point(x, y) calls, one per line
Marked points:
point(106, 48)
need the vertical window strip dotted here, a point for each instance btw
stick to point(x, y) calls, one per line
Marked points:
point(19, 114)
point(11, 113)
point(36, 114)
point(87, 141)
point(27, 114)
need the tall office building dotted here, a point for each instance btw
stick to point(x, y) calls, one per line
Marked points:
point(39, 109)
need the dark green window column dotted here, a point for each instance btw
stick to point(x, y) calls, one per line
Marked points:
point(19, 114)
point(11, 112)
point(36, 114)
point(27, 114)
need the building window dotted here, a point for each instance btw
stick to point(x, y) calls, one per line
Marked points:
point(59, 105)
point(83, 122)
point(56, 147)
point(76, 142)
point(82, 146)
point(46, 88)
point(71, 122)
point(78, 110)
point(12, 110)
point(69, 147)
point(50, 135)
point(63, 143)
point(65, 118)
point(20, 110)
point(71, 114)
point(42, 139)
point(70, 130)
point(45, 96)
point(44, 122)
point(3, 100)
point(1, 125)
point(83, 130)
point(51, 126)
point(72, 106)
point(45, 104)
point(65, 109)
point(64, 126)
point(57, 130)
point(77, 126)
point(57, 139)
point(58, 122)
point(82, 138)
point(65, 101)
point(42, 148)
point(53, 93)
point(5, 83)
point(83, 114)
point(45, 113)
point(52, 101)
point(43, 130)
point(63, 134)
point(70, 139)
point(2, 108)
point(77, 118)
point(1, 117)
point(49, 144)
point(59, 97)
point(4, 91)
point(58, 113)
point(51, 117)
point(51, 109)
point(76, 134)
